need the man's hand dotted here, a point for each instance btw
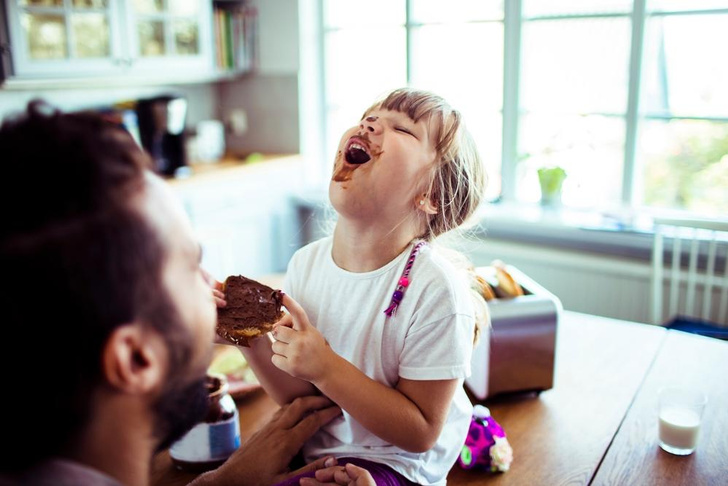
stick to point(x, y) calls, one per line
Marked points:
point(263, 459)
point(349, 475)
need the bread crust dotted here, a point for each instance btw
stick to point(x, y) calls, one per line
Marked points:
point(251, 311)
point(507, 285)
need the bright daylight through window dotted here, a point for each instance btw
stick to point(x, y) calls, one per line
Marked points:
point(629, 97)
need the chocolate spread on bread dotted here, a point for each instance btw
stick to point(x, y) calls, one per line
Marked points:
point(252, 309)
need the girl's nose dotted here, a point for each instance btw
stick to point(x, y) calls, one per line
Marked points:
point(371, 125)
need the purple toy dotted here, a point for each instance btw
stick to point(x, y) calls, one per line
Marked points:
point(486, 446)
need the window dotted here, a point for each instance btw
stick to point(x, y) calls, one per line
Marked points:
point(629, 96)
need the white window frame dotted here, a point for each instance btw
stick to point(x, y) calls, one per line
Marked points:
point(513, 22)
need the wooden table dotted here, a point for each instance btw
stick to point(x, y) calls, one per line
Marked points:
point(598, 424)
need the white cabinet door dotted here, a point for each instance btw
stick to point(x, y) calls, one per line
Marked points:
point(75, 38)
point(170, 35)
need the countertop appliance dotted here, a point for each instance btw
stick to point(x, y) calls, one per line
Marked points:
point(161, 121)
point(519, 354)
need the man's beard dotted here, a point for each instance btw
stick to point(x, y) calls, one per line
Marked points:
point(181, 406)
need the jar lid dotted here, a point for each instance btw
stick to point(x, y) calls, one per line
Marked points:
point(217, 384)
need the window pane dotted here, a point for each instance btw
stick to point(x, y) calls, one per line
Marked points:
point(685, 165)
point(589, 148)
point(682, 5)
point(355, 77)
point(148, 6)
point(45, 35)
point(557, 7)
point(463, 63)
point(354, 80)
point(151, 38)
point(685, 69)
point(184, 8)
point(186, 37)
point(577, 66)
point(487, 131)
point(354, 13)
point(456, 10)
point(89, 4)
point(473, 88)
point(91, 35)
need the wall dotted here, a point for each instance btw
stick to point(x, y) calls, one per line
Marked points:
point(269, 97)
point(270, 102)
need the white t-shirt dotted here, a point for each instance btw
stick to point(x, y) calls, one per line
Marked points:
point(429, 338)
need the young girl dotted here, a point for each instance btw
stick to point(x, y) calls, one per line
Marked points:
point(382, 322)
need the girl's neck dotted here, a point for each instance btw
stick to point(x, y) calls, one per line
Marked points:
point(364, 249)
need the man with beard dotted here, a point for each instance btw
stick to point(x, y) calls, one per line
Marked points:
point(103, 279)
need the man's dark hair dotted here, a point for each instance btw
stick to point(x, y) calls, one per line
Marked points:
point(78, 260)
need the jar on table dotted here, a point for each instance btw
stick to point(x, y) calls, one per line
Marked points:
point(209, 443)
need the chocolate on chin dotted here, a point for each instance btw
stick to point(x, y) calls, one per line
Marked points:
point(252, 309)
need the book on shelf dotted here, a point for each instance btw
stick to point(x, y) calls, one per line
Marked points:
point(236, 36)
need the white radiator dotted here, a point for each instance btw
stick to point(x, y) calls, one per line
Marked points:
point(594, 284)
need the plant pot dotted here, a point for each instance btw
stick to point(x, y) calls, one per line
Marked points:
point(551, 179)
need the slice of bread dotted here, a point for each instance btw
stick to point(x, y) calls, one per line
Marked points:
point(507, 285)
point(252, 309)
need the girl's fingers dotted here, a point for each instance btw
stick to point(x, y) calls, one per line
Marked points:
point(286, 321)
point(300, 319)
point(283, 334)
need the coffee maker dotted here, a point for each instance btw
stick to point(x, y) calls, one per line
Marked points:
point(162, 121)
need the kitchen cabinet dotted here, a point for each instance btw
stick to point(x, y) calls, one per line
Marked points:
point(122, 40)
point(243, 216)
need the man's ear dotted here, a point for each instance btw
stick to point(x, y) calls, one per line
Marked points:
point(134, 359)
point(424, 203)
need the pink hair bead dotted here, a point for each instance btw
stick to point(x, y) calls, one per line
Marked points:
point(404, 281)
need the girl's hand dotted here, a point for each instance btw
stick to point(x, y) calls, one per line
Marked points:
point(350, 475)
point(300, 350)
point(216, 287)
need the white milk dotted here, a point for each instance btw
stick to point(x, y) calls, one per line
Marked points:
point(679, 428)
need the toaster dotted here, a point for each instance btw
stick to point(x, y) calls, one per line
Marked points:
point(518, 355)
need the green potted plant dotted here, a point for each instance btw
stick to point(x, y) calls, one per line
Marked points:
point(550, 180)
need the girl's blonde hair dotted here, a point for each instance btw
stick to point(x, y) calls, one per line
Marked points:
point(457, 181)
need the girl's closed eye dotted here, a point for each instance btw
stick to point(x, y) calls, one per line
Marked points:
point(404, 130)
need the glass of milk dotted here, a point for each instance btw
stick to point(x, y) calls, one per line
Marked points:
point(680, 412)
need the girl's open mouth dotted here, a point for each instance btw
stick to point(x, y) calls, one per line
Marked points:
point(357, 151)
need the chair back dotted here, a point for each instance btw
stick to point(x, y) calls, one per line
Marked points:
point(692, 256)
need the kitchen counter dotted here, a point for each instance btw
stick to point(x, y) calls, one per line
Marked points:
point(210, 172)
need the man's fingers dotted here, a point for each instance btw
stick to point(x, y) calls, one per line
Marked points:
point(305, 429)
point(292, 413)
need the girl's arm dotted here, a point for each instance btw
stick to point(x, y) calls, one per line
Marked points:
point(410, 416)
point(279, 385)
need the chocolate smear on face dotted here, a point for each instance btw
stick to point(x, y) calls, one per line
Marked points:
point(347, 161)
